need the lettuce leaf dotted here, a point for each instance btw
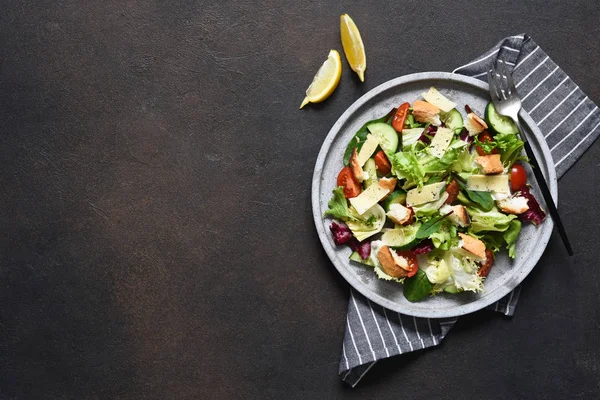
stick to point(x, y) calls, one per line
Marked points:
point(446, 237)
point(510, 147)
point(464, 273)
point(465, 162)
point(410, 137)
point(406, 165)
point(453, 269)
point(510, 237)
point(338, 206)
point(493, 220)
point(438, 272)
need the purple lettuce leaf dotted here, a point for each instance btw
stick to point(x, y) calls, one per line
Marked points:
point(343, 235)
point(424, 247)
point(535, 214)
point(363, 249)
point(428, 134)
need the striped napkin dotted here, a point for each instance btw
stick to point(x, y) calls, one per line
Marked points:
point(569, 121)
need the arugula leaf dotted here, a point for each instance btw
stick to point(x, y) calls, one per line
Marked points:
point(417, 287)
point(338, 206)
point(361, 136)
point(431, 226)
point(484, 199)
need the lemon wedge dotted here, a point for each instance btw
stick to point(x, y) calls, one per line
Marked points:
point(353, 46)
point(326, 79)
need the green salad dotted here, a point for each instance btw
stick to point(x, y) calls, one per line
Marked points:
point(428, 195)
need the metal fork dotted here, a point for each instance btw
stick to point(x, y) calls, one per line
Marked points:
point(508, 103)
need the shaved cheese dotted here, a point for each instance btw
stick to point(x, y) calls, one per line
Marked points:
point(437, 99)
point(441, 141)
point(425, 194)
point(488, 183)
point(368, 198)
point(367, 149)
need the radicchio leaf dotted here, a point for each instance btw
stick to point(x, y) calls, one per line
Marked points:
point(428, 134)
point(341, 233)
point(535, 214)
point(363, 249)
point(464, 136)
point(424, 247)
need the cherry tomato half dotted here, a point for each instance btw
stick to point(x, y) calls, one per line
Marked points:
point(382, 163)
point(400, 117)
point(351, 186)
point(518, 177)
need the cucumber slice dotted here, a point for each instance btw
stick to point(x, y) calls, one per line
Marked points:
point(448, 289)
point(396, 197)
point(371, 170)
point(357, 258)
point(403, 238)
point(387, 136)
point(453, 120)
point(499, 123)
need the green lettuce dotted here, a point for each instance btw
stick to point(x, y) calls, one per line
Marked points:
point(510, 237)
point(338, 206)
point(453, 269)
point(434, 165)
point(510, 146)
point(410, 137)
point(492, 220)
point(465, 162)
point(446, 237)
point(496, 240)
point(405, 165)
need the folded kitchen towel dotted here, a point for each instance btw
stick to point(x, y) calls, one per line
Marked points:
point(570, 123)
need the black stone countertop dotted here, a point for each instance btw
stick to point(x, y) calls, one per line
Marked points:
point(156, 236)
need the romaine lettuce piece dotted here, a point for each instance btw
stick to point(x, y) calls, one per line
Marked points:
point(510, 237)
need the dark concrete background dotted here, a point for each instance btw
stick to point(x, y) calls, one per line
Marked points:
point(156, 237)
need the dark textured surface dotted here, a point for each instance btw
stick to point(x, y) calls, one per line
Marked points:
point(156, 237)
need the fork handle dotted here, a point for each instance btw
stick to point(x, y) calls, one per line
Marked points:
point(537, 171)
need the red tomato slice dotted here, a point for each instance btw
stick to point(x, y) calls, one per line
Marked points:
point(351, 186)
point(400, 117)
point(382, 163)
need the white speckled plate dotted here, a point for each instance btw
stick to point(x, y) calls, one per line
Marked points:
point(505, 275)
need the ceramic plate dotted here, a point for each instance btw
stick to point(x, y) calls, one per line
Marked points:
point(505, 275)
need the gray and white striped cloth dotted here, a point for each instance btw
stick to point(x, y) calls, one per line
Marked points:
point(570, 122)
